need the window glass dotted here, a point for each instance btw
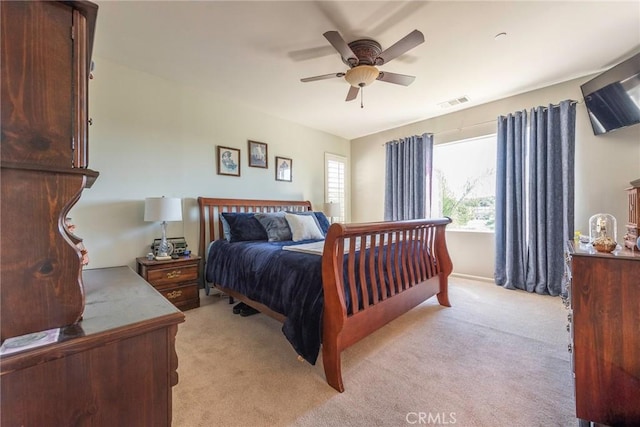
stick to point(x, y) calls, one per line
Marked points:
point(464, 183)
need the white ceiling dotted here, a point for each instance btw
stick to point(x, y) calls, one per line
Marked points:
point(255, 53)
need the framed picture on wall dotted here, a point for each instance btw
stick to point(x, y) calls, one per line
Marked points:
point(284, 169)
point(258, 157)
point(228, 161)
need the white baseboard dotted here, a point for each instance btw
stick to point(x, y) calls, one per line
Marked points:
point(471, 277)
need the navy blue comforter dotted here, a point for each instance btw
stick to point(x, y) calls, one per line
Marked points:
point(289, 283)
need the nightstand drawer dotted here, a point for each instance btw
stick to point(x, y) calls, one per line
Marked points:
point(177, 280)
point(173, 275)
point(180, 294)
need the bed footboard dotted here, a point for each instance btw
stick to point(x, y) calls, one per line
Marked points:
point(375, 272)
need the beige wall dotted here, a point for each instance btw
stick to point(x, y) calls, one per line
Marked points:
point(152, 137)
point(604, 167)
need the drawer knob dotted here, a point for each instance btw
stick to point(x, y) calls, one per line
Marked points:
point(173, 274)
point(174, 294)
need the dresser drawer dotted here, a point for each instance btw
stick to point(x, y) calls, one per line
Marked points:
point(163, 277)
point(181, 294)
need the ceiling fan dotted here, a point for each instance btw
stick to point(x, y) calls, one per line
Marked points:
point(364, 56)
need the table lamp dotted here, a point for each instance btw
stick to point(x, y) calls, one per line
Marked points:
point(332, 209)
point(163, 209)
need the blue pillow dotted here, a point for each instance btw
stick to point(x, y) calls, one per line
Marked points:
point(323, 222)
point(243, 226)
point(225, 228)
point(275, 225)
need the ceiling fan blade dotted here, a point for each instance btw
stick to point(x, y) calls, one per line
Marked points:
point(322, 77)
point(403, 45)
point(341, 46)
point(353, 93)
point(399, 79)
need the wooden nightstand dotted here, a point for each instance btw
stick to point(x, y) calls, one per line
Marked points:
point(176, 279)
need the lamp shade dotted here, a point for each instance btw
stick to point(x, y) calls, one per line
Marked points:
point(332, 209)
point(163, 209)
point(362, 75)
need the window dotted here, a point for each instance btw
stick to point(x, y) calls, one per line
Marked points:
point(464, 183)
point(335, 173)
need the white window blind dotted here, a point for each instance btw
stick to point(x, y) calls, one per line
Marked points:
point(335, 182)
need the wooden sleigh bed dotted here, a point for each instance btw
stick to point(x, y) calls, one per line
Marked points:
point(360, 293)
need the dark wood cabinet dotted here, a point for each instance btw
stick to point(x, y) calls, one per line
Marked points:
point(177, 280)
point(45, 55)
point(605, 300)
point(115, 361)
point(116, 367)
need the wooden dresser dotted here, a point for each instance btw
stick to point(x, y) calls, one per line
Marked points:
point(115, 367)
point(605, 304)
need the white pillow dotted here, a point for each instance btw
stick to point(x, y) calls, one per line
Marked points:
point(303, 227)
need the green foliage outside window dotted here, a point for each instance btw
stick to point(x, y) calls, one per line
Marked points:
point(465, 209)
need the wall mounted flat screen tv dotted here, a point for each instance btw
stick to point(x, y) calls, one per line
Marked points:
point(613, 98)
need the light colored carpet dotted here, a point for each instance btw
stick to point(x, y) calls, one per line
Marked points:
point(495, 358)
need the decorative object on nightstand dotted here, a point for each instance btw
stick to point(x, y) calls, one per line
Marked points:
point(163, 209)
point(603, 232)
point(177, 279)
point(177, 246)
point(332, 210)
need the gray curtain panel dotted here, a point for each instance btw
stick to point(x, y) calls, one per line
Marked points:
point(510, 191)
point(535, 201)
point(408, 178)
point(551, 189)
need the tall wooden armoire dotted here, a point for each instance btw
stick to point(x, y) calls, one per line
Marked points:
point(45, 64)
point(114, 361)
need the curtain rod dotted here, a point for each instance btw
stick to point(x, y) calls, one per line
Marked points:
point(483, 123)
point(571, 103)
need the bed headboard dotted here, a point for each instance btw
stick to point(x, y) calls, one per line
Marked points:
point(211, 208)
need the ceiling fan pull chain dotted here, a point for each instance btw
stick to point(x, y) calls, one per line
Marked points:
point(361, 97)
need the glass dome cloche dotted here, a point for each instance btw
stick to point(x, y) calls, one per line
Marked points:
point(603, 232)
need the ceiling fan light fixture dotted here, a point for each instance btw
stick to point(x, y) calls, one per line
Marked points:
point(362, 75)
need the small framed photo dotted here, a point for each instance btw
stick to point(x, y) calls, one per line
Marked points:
point(228, 161)
point(258, 155)
point(284, 169)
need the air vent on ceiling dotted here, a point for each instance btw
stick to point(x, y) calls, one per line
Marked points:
point(453, 102)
